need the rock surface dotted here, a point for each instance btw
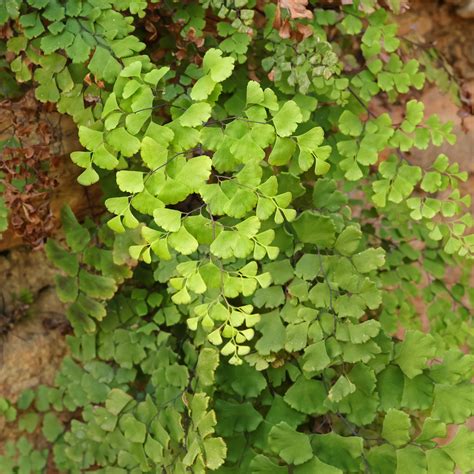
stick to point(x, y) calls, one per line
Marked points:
point(32, 350)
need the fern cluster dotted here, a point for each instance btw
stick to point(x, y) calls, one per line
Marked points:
point(240, 308)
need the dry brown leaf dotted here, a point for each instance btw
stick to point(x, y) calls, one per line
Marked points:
point(304, 30)
point(297, 8)
point(285, 30)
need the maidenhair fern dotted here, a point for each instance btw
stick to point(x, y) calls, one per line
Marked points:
point(240, 307)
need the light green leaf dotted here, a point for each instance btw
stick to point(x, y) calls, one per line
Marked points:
point(61, 258)
point(110, 105)
point(411, 459)
point(413, 352)
point(154, 154)
point(155, 75)
point(52, 427)
point(28, 422)
point(183, 242)
point(382, 459)
point(460, 449)
point(341, 389)
point(51, 43)
point(153, 449)
point(208, 361)
point(216, 451)
point(104, 66)
point(104, 159)
point(396, 427)
point(132, 70)
point(196, 115)
point(123, 141)
point(315, 357)
point(417, 392)
point(413, 115)
point(262, 465)
point(314, 228)
point(79, 50)
point(390, 384)
point(316, 466)
point(168, 219)
point(307, 396)
point(88, 177)
point(453, 403)
point(254, 93)
point(369, 260)
point(195, 172)
point(89, 138)
point(438, 462)
point(343, 452)
point(273, 333)
point(311, 140)
point(130, 181)
point(236, 417)
point(350, 124)
point(282, 151)
point(293, 447)
point(219, 68)
point(66, 288)
point(96, 286)
point(286, 120)
point(203, 88)
point(77, 236)
point(133, 430)
point(432, 429)
point(296, 336)
point(348, 240)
